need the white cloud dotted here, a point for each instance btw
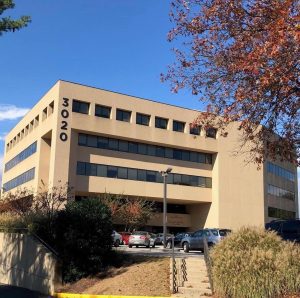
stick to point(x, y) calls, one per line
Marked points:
point(2, 136)
point(11, 112)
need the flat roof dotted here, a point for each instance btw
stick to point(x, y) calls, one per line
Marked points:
point(137, 97)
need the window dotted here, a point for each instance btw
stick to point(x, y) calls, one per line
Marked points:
point(211, 132)
point(122, 173)
point(113, 144)
point(281, 172)
point(160, 152)
point(280, 192)
point(195, 130)
point(101, 171)
point(21, 156)
point(132, 147)
point(161, 123)
point(178, 126)
point(150, 176)
point(90, 169)
point(112, 172)
point(123, 146)
point(80, 107)
point(132, 174)
point(92, 141)
point(280, 213)
point(82, 139)
point(142, 119)
point(102, 143)
point(21, 179)
point(102, 111)
point(123, 115)
point(140, 148)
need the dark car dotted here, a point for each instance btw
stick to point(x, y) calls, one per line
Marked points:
point(177, 239)
point(287, 229)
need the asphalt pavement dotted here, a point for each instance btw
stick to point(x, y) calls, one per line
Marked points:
point(157, 251)
point(7, 291)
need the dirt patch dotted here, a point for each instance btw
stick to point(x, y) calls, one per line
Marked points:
point(138, 276)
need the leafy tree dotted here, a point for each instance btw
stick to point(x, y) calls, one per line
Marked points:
point(83, 237)
point(7, 24)
point(132, 212)
point(242, 59)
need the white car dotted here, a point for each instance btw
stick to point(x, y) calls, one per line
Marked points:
point(117, 238)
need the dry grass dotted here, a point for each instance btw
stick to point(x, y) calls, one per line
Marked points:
point(138, 276)
point(10, 221)
point(254, 263)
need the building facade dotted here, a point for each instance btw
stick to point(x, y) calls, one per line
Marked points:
point(105, 142)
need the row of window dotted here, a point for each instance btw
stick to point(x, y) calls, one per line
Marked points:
point(280, 213)
point(141, 119)
point(141, 148)
point(20, 157)
point(91, 169)
point(21, 179)
point(30, 126)
point(281, 172)
point(280, 192)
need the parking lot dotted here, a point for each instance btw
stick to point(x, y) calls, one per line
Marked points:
point(157, 251)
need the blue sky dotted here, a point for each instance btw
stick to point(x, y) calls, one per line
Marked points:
point(118, 45)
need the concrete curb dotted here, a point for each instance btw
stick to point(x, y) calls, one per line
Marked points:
point(71, 295)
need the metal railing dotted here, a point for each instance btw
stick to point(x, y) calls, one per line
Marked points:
point(174, 270)
point(208, 264)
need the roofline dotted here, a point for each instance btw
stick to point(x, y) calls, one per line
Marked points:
point(137, 97)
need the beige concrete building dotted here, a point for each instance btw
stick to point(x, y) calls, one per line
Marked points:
point(101, 141)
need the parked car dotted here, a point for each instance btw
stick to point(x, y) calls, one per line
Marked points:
point(117, 238)
point(125, 237)
point(196, 240)
point(160, 238)
point(177, 239)
point(141, 238)
point(287, 229)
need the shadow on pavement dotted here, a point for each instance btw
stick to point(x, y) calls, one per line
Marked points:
point(7, 291)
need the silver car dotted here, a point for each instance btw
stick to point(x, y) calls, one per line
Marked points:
point(141, 238)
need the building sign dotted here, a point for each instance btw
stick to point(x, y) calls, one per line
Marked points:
point(64, 123)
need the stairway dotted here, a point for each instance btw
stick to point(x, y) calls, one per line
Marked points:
point(192, 278)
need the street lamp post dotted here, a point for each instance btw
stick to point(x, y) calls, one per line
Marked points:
point(165, 175)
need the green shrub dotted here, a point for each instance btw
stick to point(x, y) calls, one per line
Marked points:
point(252, 263)
point(83, 237)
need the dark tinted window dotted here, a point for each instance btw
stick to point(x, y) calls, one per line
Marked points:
point(142, 119)
point(161, 122)
point(195, 130)
point(80, 107)
point(178, 126)
point(81, 168)
point(139, 148)
point(211, 132)
point(102, 111)
point(112, 172)
point(123, 115)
